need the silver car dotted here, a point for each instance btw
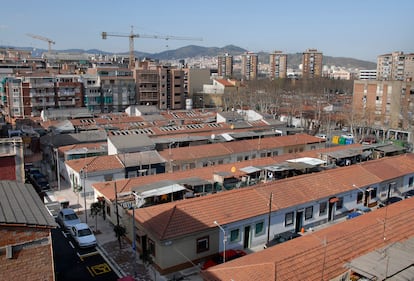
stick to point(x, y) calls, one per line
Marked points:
point(67, 218)
point(83, 235)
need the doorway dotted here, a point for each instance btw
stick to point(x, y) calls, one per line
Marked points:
point(246, 241)
point(299, 221)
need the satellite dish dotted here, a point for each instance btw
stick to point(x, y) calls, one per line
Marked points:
point(213, 136)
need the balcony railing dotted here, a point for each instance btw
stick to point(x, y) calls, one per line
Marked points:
point(66, 93)
point(34, 94)
point(66, 103)
point(37, 103)
point(42, 85)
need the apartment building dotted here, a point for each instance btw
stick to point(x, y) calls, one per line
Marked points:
point(368, 74)
point(387, 104)
point(395, 66)
point(117, 87)
point(312, 63)
point(278, 65)
point(225, 66)
point(69, 91)
point(249, 67)
point(91, 92)
point(171, 94)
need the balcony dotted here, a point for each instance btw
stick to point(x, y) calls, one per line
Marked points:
point(34, 94)
point(66, 93)
point(42, 103)
point(42, 85)
point(67, 103)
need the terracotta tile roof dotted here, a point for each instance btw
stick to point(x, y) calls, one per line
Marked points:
point(307, 257)
point(225, 82)
point(219, 149)
point(96, 163)
point(194, 215)
point(65, 148)
point(127, 185)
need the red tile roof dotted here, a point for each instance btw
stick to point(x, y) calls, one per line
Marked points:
point(96, 163)
point(323, 254)
point(189, 216)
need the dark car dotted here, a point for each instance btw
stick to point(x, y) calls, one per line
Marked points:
point(409, 194)
point(283, 237)
point(230, 255)
point(389, 201)
point(39, 182)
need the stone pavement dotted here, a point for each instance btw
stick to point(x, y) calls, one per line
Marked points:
point(120, 256)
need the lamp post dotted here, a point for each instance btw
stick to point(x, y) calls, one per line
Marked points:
point(84, 193)
point(57, 168)
point(224, 240)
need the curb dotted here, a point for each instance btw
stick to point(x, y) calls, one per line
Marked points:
point(118, 270)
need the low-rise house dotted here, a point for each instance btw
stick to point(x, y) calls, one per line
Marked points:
point(173, 234)
point(26, 251)
point(82, 173)
point(375, 246)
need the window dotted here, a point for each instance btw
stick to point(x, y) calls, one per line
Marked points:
point(259, 228)
point(340, 203)
point(322, 208)
point(234, 235)
point(360, 196)
point(373, 193)
point(203, 244)
point(151, 247)
point(108, 177)
point(308, 213)
point(289, 219)
point(410, 181)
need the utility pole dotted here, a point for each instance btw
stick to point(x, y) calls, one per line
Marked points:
point(270, 212)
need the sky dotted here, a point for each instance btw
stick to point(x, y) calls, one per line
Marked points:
point(361, 29)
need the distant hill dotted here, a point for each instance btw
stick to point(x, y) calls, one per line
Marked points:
point(192, 51)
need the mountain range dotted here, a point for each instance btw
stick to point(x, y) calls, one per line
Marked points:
point(193, 51)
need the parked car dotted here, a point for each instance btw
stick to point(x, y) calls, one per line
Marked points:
point(83, 235)
point(39, 182)
point(409, 194)
point(282, 237)
point(389, 201)
point(230, 255)
point(67, 218)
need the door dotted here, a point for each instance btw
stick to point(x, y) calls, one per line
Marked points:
point(299, 221)
point(246, 242)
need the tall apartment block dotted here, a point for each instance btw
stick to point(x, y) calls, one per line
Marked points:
point(117, 87)
point(312, 63)
point(395, 66)
point(385, 104)
point(278, 65)
point(249, 67)
point(171, 94)
point(225, 66)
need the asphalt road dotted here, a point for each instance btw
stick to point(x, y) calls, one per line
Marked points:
point(72, 263)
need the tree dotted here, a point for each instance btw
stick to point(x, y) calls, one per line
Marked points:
point(97, 209)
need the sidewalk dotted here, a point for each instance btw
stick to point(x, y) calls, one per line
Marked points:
point(122, 259)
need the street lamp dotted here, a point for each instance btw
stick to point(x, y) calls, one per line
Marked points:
point(224, 240)
point(84, 192)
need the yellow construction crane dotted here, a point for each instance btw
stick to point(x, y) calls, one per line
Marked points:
point(133, 35)
point(50, 41)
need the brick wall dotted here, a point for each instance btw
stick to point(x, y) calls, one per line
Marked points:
point(31, 261)
point(7, 168)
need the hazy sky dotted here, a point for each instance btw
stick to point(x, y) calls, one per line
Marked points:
point(361, 29)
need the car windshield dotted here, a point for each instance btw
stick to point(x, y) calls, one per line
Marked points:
point(84, 232)
point(71, 217)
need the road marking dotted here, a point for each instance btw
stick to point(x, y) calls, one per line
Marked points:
point(81, 257)
point(99, 269)
point(71, 244)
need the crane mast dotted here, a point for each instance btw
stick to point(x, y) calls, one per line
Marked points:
point(49, 41)
point(133, 35)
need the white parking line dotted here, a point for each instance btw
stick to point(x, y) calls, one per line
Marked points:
point(71, 244)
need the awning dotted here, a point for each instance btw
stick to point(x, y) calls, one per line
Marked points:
point(162, 190)
point(250, 169)
point(333, 200)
